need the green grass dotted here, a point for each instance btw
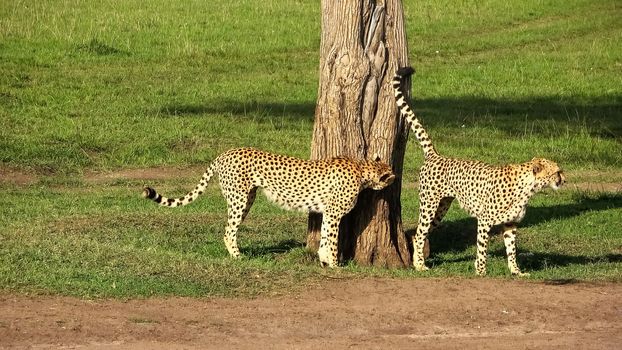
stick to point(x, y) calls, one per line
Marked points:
point(160, 83)
point(105, 240)
point(108, 85)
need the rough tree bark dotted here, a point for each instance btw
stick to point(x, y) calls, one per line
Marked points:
point(363, 42)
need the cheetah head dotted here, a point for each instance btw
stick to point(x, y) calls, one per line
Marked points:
point(376, 174)
point(547, 174)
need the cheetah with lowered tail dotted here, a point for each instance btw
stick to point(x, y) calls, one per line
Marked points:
point(330, 187)
point(492, 194)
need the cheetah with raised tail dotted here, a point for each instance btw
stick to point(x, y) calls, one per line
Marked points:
point(492, 194)
point(330, 187)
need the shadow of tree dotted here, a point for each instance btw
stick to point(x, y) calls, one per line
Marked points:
point(253, 109)
point(583, 202)
point(602, 114)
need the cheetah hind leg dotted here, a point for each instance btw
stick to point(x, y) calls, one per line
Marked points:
point(442, 209)
point(329, 235)
point(509, 238)
point(419, 242)
point(249, 203)
point(236, 214)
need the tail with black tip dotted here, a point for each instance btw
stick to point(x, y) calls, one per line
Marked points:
point(151, 193)
point(405, 110)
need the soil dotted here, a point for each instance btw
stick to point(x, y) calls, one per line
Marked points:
point(480, 313)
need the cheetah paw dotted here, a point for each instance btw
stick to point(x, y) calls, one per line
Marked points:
point(331, 265)
point(521, 274)
point(421, 268)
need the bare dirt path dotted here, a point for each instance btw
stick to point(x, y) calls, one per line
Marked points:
point(480, 313)
point(589, 180)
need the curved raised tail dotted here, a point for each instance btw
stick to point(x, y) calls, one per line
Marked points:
point(405, 110)
point(151, 193)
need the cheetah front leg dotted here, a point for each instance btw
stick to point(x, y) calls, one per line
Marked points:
point(483, 228)
point(509, 238)
point(329, 236)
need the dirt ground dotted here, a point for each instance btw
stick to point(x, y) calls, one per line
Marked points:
point(17, 177)
point(481, 313)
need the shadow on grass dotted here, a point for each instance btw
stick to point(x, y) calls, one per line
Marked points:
point(514, 115)
point(451, 236)
point(509, 115)
point(457, 236)
point(537, 261)
point(251, 109)
point(281, 247)
point(582, 202)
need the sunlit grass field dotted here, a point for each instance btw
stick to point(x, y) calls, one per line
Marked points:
point(107, 86)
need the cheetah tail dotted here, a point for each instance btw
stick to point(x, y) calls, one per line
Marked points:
point(151, 193)
point(405, 110)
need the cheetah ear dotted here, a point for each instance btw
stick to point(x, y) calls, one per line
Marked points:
point(376, 157)
point(537, 166)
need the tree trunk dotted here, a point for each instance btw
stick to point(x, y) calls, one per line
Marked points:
point(363, 43)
